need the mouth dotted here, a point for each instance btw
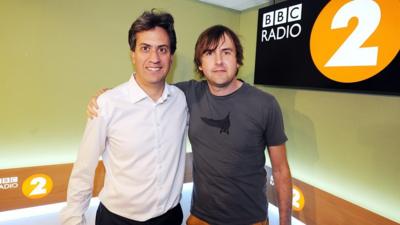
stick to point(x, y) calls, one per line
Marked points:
point(219, 70)
point(153, 68)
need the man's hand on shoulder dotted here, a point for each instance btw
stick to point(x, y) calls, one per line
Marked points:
point(92, 107)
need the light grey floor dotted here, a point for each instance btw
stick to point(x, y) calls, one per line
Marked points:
point(48, 215)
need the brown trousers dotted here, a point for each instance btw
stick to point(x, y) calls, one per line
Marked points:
point(192, 220)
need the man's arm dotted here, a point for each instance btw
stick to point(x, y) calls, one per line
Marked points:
point(80, 184)
point(283, 182)
point(92, 107)
point(184, 85)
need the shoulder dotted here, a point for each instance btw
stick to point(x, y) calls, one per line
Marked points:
point(259, 94)
point(176, 91)
point(260, 101)
point(108, 99)
point(190, 85)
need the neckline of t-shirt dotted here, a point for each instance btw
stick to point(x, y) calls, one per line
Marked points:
point(240, 89)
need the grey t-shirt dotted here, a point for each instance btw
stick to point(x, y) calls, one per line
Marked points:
point(228, 135)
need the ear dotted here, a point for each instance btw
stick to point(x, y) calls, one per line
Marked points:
point(133, 57)
point(200, 68)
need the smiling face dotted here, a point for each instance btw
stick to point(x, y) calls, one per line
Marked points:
point(152, 56)
point(220, 65)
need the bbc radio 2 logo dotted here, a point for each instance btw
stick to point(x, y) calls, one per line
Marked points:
point(33, 187)
point(281, 23)
point(37, 186)
point(352, 41)
point(7, 183)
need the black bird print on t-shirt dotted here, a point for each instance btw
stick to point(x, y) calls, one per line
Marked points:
point(223, 124)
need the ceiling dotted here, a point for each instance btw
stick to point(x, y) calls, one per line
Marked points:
point(238, 5)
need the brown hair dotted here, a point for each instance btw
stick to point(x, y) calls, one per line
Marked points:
point(209, 39)
point(150, 20)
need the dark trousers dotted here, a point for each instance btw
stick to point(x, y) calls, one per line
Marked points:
point(173, 217)
point(193, 220)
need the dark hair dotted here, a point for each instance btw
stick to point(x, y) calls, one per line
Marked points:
point(150, 20)
point(209, 39)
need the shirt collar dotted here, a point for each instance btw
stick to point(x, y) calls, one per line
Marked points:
point(166, 93)
point(136, 93)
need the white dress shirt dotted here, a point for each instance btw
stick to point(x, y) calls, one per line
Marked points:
point(143, 149)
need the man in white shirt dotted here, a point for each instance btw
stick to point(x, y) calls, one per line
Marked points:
point(140, 135)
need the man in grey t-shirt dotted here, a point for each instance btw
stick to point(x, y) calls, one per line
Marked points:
point(231, 124)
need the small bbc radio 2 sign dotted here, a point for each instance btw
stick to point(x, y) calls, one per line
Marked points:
point(349, 45)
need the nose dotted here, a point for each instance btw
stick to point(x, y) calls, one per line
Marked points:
point(154, 56)
point(218, 58)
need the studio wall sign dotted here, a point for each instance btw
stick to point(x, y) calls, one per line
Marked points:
point(34, 187)
point(37, 186)
point(349, 45)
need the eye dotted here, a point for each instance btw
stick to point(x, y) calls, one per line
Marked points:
point(145, 48)
point(163, 50)
point(207, 52)
point(227, 52)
